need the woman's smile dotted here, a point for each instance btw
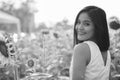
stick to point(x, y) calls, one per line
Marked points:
point(81, 33)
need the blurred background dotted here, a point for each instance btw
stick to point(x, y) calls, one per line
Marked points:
point(43, 33)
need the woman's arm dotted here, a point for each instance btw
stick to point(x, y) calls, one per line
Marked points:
point(80, 58)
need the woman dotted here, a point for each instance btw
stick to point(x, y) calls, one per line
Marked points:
point(91, 59)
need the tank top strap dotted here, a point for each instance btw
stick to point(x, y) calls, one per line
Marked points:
point(93, 46)
point(94, 51)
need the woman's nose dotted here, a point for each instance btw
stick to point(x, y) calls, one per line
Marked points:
point(80, 27)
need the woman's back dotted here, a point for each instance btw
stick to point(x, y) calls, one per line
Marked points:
point(98, 68)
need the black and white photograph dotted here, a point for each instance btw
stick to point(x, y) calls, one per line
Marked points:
point(59, 40)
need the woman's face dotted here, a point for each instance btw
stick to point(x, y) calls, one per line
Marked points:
point(84, 27)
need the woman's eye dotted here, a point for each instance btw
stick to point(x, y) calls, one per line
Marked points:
point(86, 24)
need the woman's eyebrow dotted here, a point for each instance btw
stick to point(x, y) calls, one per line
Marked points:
point(87, 21)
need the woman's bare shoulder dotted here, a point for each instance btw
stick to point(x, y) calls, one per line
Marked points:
point(82, 47)
point(82, 51)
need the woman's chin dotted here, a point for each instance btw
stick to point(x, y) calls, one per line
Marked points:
point(82, 38)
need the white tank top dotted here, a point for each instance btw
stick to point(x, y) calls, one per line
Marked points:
point(96, 70)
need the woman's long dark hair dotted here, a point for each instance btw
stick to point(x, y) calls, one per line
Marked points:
point(98, 17)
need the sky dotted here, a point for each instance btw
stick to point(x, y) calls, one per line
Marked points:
point(51, 11)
